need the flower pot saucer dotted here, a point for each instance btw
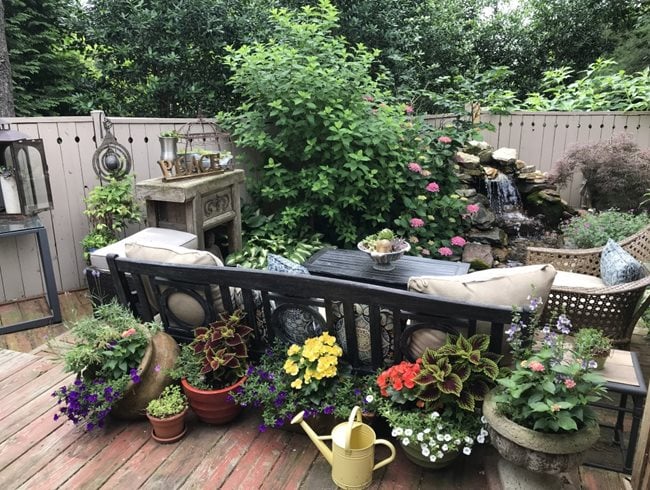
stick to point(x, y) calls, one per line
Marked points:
point(170, 439)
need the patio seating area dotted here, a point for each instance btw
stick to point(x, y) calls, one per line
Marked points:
point(36, 452)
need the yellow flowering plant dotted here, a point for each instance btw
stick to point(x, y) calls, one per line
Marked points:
point(314, 365)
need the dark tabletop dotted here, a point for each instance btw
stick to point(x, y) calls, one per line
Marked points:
point(357, 266)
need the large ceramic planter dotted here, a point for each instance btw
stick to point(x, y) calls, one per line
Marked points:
point(537, 451)
point(414, 455)
point(213, 406)
point(159, 357)
point(169, 429)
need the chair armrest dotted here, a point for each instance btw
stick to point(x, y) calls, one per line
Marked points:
point(581, 261)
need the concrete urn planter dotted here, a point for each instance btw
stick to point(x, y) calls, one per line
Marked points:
point(537, 451)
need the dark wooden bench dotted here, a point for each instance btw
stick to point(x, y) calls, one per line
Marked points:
point(267, 295)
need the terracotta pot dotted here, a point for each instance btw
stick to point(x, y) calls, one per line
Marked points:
point(413, 454)
point(159, 356)
point(213, 406)
point(169, 429)
point(537, 451)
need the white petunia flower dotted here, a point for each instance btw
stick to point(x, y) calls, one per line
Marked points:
point(425, 452)
point(370, 399)
point(447, 437)
point(445, 448)
point(469, 440)
point(420, 436)
point(405, 441)
point(440, 437)
point(399, 431)
point(394, 433)
point(480, 438)
point(408, 432)
point(435, 415)
point(483, 432)
point(457, 442)
point(440, 454)
point(483, 419)
point(432, 458)
point(427, 430)
point(467, 451)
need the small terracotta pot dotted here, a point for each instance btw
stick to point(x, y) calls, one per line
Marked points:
point(169, 429)
point(213, 406)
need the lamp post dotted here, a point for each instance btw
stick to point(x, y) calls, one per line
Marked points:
point(23, 173)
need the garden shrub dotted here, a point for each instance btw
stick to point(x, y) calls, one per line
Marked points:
point(335, 149)
point(616, 171)
point(594, 229)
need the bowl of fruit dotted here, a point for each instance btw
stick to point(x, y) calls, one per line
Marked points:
point(384, 248)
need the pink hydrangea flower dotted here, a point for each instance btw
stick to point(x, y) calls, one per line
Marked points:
point(433, 187)
point(414, 167)
point(536, 366)
point(416, 222)
point(444, 139)
point(459, 241)
point(445, 251)
point(473, 208)
point(409, 109)
point(128, 333)
point(569, 383)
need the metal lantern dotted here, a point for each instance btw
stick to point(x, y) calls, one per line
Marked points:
point(24, 176)
point(111, 159)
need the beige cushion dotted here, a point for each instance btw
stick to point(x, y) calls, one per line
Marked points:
point(183, 306)
point(506, 287)
point(575, 280)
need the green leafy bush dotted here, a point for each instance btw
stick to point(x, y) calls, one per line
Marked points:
point(334, 148)
point(594, 229)
point(616, 171)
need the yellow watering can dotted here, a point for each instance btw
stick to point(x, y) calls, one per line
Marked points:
point(352, 456)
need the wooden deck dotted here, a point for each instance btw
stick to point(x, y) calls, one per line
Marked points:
point(36, 452)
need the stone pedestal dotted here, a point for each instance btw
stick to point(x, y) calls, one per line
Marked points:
point(195, 205)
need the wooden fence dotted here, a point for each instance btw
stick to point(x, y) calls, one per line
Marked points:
point(540, 138)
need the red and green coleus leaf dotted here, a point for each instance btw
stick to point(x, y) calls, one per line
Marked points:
point(463, 345)
point(429, 393)
point(489, 368)
point(479, 342)
point(474, 357)
point(478, 388)
point(466, 401)
point(451, 385)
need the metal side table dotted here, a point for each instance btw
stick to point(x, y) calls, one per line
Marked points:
point(24, 225)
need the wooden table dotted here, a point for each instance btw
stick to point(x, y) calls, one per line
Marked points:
point(195, 205)
point(357, 266)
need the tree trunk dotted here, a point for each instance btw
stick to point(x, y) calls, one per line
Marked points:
point(6, 90)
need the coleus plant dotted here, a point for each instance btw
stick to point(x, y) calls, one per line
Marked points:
point(460, 373)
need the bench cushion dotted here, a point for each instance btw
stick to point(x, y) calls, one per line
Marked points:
point(574, 280)
point(148, 236)
point(182, 306)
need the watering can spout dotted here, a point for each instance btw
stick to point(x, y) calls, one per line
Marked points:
point(315, 438)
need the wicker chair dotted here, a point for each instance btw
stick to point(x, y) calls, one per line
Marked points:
point(613, 309)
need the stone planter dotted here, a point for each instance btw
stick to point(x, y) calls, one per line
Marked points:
point(158, 358)
point(213, 406)
point(537, 451)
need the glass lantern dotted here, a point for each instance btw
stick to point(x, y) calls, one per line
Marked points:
point(24, 177)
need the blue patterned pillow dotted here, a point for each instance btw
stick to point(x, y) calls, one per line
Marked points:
point(617, 266)
point(277, 263)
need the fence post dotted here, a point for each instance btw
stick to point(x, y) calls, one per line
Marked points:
point(98, 117)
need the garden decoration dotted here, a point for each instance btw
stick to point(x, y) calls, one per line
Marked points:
point(111, 159)
point(309, 378)
point(384, 248)
point(192, 161)
point(119, 367)
point(431, 404)
point(591, 343)
point(212, 366)
point(352, 456)
point(539, 416)
point(167, 415)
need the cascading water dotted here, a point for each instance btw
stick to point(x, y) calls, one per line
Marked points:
point(502, 194)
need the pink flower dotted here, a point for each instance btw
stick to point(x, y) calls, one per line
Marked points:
point(416, 222)
point(409, 109)
point(473, 208)
point(459, 241)
point(569, 383)
point(157, 368)
point(444, 139)
point(445, 251)
point(425, 252)
point(536, 366)
point(433, 187)
point(368, 98)
point(414, 167)
point(128, 333)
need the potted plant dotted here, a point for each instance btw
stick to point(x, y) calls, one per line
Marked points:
point(431, 404)
point(119, 365)
point(309, 377)
point(169, 145)
point(539, 415)
point(384, 247)
point(167, 415)
point(591, 343)
point(212, 366)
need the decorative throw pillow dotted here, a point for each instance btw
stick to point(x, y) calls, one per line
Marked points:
point(617, 266)
point(294, 324)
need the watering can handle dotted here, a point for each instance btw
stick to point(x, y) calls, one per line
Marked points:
point(356, 412)
point(389, 458)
